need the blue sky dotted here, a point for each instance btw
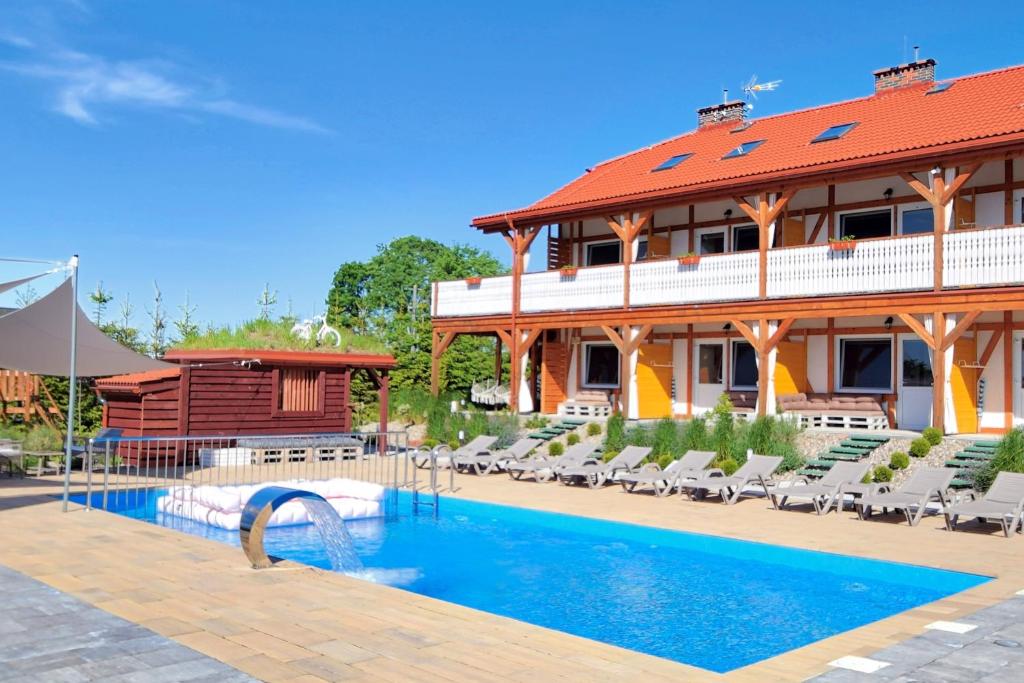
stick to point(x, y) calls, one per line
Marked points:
point(215, 146)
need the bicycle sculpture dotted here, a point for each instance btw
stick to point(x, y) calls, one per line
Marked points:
point(304, 330)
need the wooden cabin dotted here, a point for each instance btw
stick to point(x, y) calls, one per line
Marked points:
point(242, 392)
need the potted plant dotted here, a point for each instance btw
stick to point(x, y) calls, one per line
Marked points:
point(474, 280)
point(568, 270)
point(847, 243)
point(689, 259)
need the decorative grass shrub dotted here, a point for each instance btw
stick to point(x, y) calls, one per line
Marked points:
point(608, 455)
point(919, 447)
point(572, 439)
point(615, 438)
point(695, 436)
point(1009, 457)
point(665, 439)
point(593, 429)
point(429, 442)
point(665, 460)
point(555, 448)
point(535, 422)
point(728, 465)
point(899, 460)
point(932, 435)
point(43, 439)
point(881, 474)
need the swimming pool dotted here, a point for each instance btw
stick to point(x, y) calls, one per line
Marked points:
point(706, 601)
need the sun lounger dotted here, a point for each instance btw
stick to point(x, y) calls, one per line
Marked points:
point(544, 467)
point(595, 472)
point(924, 486)
point(444, 454)
point(824, 492)
point(1004, 502)
point(758, 469)
point(691, 466)
point(492, 461)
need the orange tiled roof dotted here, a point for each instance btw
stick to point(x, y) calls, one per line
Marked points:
point(980, 110)
point(136, 378)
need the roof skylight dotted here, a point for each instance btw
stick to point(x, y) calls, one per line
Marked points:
point(835, 132)
point(672, 162)
point(744, 149)
point(939, 87)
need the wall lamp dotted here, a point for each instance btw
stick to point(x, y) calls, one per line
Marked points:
point(888, 323)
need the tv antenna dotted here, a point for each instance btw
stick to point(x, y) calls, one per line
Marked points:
point(752, 88)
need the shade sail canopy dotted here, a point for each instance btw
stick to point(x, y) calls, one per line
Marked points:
point(6, 286)
point(37, 339)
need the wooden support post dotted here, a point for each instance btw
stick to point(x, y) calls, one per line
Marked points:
point(689, 367)
point(627, 231)
point(831, 355)
point(1008, 383)
point(764, 215)
point(939, 373)
point(763, 346)
point(438, 345)
point(497, 359)
point(1008, 192)
point(939, 195)
point(382, 396)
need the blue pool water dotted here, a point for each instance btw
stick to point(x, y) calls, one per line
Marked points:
point(706, 601)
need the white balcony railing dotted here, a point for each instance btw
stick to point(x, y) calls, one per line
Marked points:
point(599, 287)
point(722, 277)
point(493, 296)
point(974, 258)
point(971, 258)
point(883, 265)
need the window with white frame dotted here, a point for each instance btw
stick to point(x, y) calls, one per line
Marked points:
point(604, 253)
point(863, 225)
point(916, 219)
point(865, 364)
point(745, 238)
point(600, 366)
point(744, 366)
point(711, 243)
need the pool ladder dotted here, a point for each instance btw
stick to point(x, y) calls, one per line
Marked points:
point(429, 496)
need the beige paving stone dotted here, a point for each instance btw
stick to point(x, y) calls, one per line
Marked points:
point(198, 591)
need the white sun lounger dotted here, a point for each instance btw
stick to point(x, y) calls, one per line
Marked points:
point(824, 492)
point(544, 467)
point(595, 472)
point(493, 461)
point(1004, 503)
point(691, 466)
point(758, 469)
point(444, 454)
point(924, 486)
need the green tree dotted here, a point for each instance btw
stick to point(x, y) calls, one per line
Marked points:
point(186, 324)
point(266, 302)
point(100, 299)
point(389, 296)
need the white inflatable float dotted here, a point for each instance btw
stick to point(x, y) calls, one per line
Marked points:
point(221, 506)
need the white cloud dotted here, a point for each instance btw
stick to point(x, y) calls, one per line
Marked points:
point(86, 85)
point(16, 40)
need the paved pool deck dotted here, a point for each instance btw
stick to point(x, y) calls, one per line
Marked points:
point(295, 623)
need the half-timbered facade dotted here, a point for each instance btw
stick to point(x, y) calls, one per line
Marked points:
point(861, 262)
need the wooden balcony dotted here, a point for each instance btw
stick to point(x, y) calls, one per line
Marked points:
point(984, 257)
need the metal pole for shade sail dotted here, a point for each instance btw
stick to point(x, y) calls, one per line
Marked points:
point(72, 379)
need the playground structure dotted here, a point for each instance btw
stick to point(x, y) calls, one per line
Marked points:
point(21, 395)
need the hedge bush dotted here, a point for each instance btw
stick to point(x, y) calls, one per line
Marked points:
point(899, 460)
point(572, 439)
point(932, 435)
point(593, 429)
point(728, 465)
point(920, 447)
point(556, 448)
point(882, 474)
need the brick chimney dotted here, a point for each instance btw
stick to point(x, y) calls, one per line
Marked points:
point(911, 73)
point(733, 111)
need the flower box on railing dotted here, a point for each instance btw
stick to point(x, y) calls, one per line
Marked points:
point(568, 271)
point(474, 281)
point(842, 245)
point(689, 260)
